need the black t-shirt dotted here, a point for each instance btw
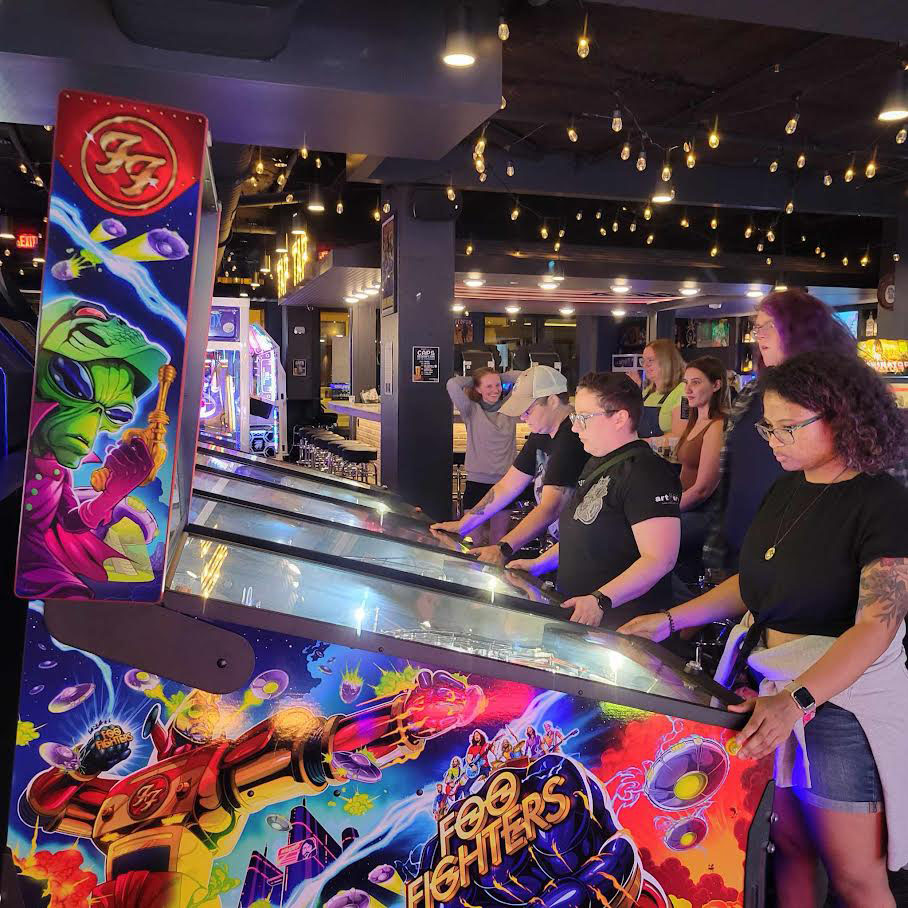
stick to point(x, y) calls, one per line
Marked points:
point(752, 469)
point(810, 585)
point(552, 461)
point(597, 540)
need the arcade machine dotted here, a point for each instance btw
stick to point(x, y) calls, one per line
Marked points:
point(243, 404)
point(890, 359)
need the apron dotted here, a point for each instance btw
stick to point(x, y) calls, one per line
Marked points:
point(649, 422)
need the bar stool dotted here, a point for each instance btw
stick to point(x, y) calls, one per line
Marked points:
point(459, 481)
point(357, 459)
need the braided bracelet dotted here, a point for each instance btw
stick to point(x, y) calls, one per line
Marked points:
point(671, 621)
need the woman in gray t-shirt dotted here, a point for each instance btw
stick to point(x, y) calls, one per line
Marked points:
point(491, 439)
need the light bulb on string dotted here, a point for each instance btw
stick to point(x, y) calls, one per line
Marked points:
point(666, 173)
point(376, 214)
point(714, 250)
point(504, 103)
point(845, 260)
point(714, 223)
point(598, 214)
point(259, 164)
point(801, 161)
point(633, 226)
point(688, 146)
point(827, 179)
point(339, 208)
point(713, 137)
point(515, 211)
point(870, 169)
point(483, 176)
point(768, 259)
point(557, 245)
point(318, 163)
point(690, 159)
point(603, 231)
point(823, 254)
point(544, 231)
point(480, 164)
point(617, 122)
point(650, 239)
point(900, 136)
point(865, 259)
point(849, 172)
point(817, 251)
point(503, 31)
point(792, 123)
point(579, 215)
point(304, 151)
point(625, 151)
point(759, 247)
point(450, 193)
point(510, 169)
point(647, 213)
point(386, 208)
point(789, 206)
point(561, 234)
point(685, 222)
point(774, 166)
point(748, 231)
point(572, 133)
point(770, 235)
point(615, 226)
point(583, 42)
point(480, 146)
point(641, 160)
point(469, 249)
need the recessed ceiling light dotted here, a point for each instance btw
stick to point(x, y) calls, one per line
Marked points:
point(371, 291)
point(7, 236)
point(360, 295)
point(618, 313)
point(689, 291)
point(512, 310)
point(566, 311)
point(754, 293)
point(243, 293)
point(473, 282)
point(780, 287)
point(548, 284)
point(715, 305)
point(299, 230)
point(349, 299)
point(620, 288)
point(556, 277)
point(458, 307)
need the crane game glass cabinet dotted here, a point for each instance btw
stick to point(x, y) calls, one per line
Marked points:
point(243, 402)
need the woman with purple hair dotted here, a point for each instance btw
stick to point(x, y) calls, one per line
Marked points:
point(785, 324)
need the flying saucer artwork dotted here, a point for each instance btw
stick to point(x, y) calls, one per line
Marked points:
point(58, 755)
point(139, 680)
point(278, 822)
point(158, 245)
point(270, 684)
point(71, 697)
point(687, 833)
point(34, 691)
point(687, 774)
point(47, 663)
point(355, 766)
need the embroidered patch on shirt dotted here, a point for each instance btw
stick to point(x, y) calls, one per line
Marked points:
point(591, 505)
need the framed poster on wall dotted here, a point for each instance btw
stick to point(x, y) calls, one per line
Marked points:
point(388, 266)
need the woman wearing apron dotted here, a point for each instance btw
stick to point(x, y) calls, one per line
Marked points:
point(821, 598)
point(662, 393)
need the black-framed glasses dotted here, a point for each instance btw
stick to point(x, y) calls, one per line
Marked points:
point(584, 418)
point(783, 434)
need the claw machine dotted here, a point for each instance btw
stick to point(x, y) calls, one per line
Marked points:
point(267, 395)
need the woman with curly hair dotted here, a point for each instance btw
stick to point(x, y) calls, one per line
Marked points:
point(822, 596)
point(785, 324)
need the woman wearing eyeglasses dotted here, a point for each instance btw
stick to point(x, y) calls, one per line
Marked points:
point(785, 324)
point(619, 535)
point(822, 597)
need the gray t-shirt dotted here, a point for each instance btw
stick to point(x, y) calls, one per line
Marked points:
point(491, 436)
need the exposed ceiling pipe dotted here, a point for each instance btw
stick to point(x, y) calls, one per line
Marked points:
point(255, 228)
point(231, 165)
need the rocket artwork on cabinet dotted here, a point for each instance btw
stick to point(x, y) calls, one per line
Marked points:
point(122, 232)
point(346, 778)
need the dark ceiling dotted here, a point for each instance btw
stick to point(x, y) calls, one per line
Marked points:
point(673, 77)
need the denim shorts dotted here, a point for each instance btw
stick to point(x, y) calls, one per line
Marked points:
point(843, 773)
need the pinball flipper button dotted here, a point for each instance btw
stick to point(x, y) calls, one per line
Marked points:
point(732, 746)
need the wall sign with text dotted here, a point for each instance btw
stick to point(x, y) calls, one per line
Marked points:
point(425, 364)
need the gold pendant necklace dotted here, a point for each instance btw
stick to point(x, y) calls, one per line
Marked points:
point(770, 553)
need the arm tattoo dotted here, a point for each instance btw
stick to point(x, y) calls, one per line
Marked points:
point(884, 587)
point(480, 507)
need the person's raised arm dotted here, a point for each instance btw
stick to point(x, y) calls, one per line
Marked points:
point(457, 391)
point(708, 469)
point(499, 496)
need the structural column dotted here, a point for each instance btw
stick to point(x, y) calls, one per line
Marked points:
point(416, 417)
point(893, 323)
point(598, 337)
point(302, 363)
point(363, 354)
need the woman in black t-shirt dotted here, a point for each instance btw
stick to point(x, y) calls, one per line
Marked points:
point(823, 591)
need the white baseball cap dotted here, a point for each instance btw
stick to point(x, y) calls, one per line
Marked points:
point(537, 382)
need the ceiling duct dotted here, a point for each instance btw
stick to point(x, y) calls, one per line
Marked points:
point(250, 29)
point(230, 164)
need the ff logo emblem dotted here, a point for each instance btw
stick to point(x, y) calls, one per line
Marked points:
point(148, 797)
point(129, 162)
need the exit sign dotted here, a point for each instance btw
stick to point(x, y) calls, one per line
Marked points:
point(27, 241)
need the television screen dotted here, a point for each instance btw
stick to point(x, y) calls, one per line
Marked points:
point(849, 320)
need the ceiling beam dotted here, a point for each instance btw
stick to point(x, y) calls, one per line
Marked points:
point(565, 176)
point(884, 20)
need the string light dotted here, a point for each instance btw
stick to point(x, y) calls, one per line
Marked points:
point(339, 208)
point(583, 42)
point(557, 245)
point(504, 103)
point(376, 214)
point(714, 222)
point(774, 166)
point(603, 231)
point(515, 211)
point(827, 179)
point(792, 123)
point(510, 169)
point(823, 254)
point(318, 163)
point(617, 122)
point(572, 132)
point(647, 213)
point(259, 164)
point(691, 158)
point(544, 231)
point(748, 231)
point(666, 170)
point(503, 31)
point(817, 251)
point(900, 136)
point(650, 239)
point(561, 234)
point(768, 259)
point(598, 214)
point(483, 177)
point(801, 161)
point(714, 251)
point(759, 247)
point(633, 227)
point(386, 208)
point(789, 207)
point(870, 169)
point(304, 151)
point(450, 193)
point(23, 168)
point(480, 164)
point(469, 249)
point(770, 235)
point(688, 145)
point(685, 223)
point(480, 146)
point(615, 226)
point(641, 160)
point(849, 172)
point(579, 215)
point(713, 137)
point(845, 260)
point(865, 259)
point(625, 151)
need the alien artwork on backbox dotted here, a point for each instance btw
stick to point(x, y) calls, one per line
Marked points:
point(385, 784)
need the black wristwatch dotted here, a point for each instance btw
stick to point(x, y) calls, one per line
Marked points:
point(602, 601)
point(506, 549)
point(803, 698)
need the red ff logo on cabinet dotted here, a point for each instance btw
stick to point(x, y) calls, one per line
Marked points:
point(148, 797)
point(129, 157)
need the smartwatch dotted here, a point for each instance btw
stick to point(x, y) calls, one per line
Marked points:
point(803, 698)
point(506, 549)
point(602, 601)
